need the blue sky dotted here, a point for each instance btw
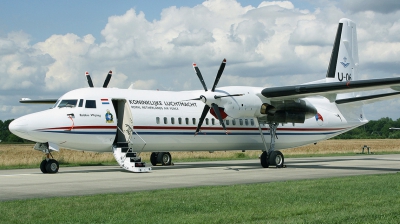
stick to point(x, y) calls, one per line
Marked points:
point(46, 46)
point(41, 19)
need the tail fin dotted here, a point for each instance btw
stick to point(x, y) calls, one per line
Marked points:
point(343, 65)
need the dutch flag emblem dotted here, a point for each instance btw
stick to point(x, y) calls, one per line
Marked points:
point(104, 101)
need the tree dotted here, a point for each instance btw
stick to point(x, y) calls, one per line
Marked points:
point(6, 136)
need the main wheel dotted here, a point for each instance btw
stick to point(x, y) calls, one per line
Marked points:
point(153, 158)
point(264, 159)
point(43, 166)
point(52, 166)
point(276, 158)
point(164, 158)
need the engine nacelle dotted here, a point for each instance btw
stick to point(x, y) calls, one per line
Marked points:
point(288, 111)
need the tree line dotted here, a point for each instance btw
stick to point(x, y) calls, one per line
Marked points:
point(379, 129)
point(6, 136)
point(372, 130)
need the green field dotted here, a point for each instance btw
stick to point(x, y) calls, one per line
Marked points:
point(359, 199)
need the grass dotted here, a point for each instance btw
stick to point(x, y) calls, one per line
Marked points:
point(358, 199)
point(23, 156)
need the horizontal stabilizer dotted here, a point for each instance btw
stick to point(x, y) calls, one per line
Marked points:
point(369, 99)
point(45, 101)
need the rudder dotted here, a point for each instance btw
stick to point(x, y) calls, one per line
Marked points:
point(343, 64)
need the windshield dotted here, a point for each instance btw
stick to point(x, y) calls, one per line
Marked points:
point(55, 104)
point(67, 103)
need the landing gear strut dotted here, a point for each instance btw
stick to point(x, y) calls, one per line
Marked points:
point(269, 156)
point(48, 165)
point(163, 158)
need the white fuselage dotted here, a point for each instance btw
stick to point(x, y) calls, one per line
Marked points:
point(166, 121)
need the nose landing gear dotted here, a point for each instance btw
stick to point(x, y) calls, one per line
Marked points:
point(48, 165)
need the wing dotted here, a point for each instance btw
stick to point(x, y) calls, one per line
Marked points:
point(44, 101)
point(326, 89)
point(369, 99)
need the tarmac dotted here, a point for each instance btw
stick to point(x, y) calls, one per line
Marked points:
point(18, 184)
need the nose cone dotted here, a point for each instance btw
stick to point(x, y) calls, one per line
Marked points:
point(19, 127)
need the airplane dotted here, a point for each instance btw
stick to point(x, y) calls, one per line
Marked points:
point(130, 121)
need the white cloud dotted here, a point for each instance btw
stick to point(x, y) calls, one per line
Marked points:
point(282, 4)
point(143, 84)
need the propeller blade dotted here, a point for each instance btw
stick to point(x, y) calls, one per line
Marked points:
point(193, 99)
point(216, 110)
point(197, 70)
point(217, 97)
point(219, 74)
point(107, 79)
point(203, 115)
point(89, 79)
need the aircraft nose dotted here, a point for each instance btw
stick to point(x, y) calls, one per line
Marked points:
point(19, 127)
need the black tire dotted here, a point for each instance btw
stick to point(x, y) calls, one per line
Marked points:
point(43, 166)
point(153, 158)
point(264, 160)
point(164, 158)
point(52, 166)
point(277, 159)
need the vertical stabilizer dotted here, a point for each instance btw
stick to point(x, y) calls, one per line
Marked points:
point(343, 64)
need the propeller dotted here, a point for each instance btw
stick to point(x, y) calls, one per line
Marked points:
point(89, 79)
point(211, 101)
point(106, 81)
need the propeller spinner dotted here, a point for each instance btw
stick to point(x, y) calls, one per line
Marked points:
point(209, 98)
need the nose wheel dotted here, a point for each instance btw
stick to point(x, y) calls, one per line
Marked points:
point(49, 166)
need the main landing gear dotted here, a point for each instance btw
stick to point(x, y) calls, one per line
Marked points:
point(163, 158)
point(269, 156)
point(48, 165)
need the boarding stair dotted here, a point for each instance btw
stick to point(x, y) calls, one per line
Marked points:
point(126, 157)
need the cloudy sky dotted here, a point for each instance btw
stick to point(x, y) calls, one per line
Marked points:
point(46, 46)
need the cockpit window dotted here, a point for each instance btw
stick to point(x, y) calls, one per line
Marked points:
point(55, 104)
point(68, 103)
point(80, 103)
point(90, 104)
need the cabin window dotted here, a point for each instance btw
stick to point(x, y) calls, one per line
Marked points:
point(233, 122)
point(194, 120)
point(187, 121)
point(68, 103)
point(246, 122)
point(227, 122)
point(212, 121)
point(252, 122)
point(80, 103)
point(90, 104)
point(207, 121)
point(165, 120)
point(158, 120)
point(172, 120)
point(179, 120)
point(241, 121)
